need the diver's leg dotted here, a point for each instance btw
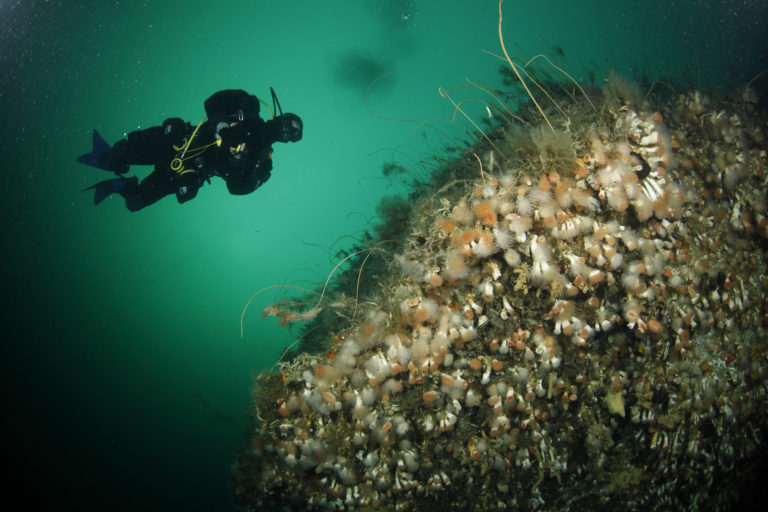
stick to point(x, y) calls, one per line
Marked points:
point(151, 189)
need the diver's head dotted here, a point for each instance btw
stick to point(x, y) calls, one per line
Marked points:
point(288, 128)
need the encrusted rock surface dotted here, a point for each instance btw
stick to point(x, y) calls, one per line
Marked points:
point(576, 319)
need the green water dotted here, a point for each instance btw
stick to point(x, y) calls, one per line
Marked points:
point(125, 380)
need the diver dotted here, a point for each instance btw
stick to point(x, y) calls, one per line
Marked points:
point(232, 142)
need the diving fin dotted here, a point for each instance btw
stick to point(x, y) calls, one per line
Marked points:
point(107, 187)
point(94, 158)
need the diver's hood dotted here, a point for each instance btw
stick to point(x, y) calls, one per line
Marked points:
point(291, 127)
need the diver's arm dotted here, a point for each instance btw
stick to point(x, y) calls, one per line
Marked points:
point(245, 181)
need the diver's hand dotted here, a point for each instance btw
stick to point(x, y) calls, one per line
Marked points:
point(233, 136)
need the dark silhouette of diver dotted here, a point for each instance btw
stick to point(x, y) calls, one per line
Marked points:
point(233, 142)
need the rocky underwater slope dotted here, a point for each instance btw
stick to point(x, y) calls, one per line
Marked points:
point(576, 318)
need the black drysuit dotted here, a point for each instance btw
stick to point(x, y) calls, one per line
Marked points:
point(233, 142)
point(203, 159)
